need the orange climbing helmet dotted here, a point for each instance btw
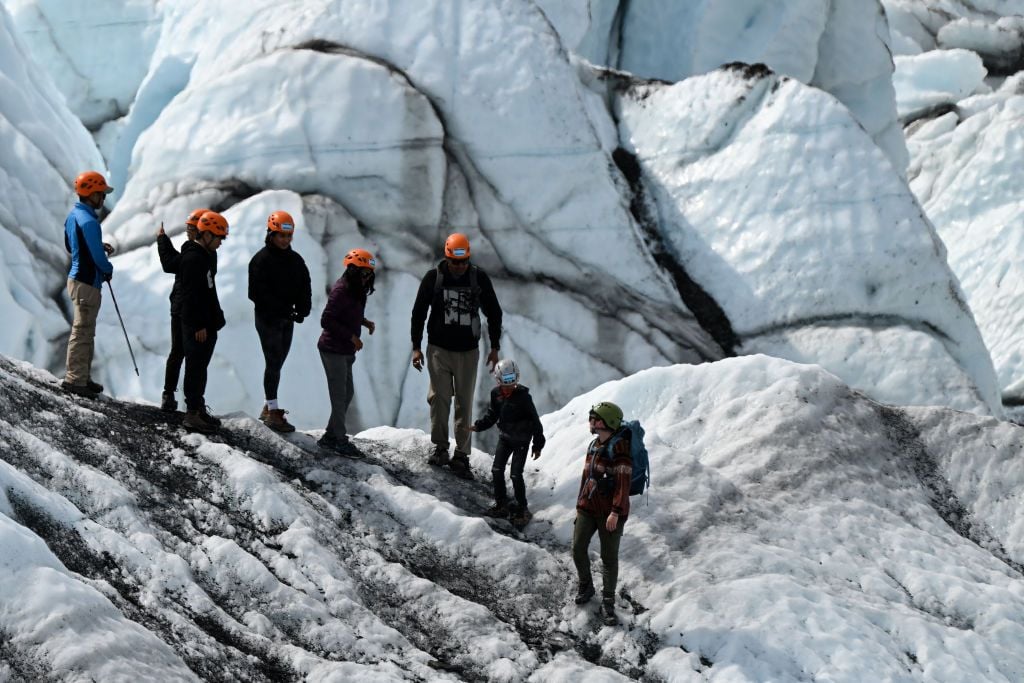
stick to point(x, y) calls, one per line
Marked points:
point(281, 221)
point(360, 258)
point(193, 218)
point(88, 182)
point(456, 246)
point(213, 222)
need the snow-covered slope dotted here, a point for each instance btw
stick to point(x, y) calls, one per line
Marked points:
point(387, 126)
point(963, 130)
point(795, 530)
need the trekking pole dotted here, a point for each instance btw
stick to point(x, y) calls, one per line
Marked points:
point(130, 352)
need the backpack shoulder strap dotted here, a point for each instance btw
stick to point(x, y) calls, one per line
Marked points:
point(439, 280)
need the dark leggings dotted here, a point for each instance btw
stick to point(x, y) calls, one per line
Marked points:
point(276, 339)
point(176, 357)
point(197, 360)
point(501, 457)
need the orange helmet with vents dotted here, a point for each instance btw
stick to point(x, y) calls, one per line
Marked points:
point(281, 221)
point(193, 218)
point(213, 222)
point(360, 258)
point(456, 246)
point(90, 181)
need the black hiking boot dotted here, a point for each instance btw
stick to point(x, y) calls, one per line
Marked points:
point(194, 422)
point(460, 465)
point(327, 442)
point(78, 389)
point(608, 615)
point(349, 450)
point(168, 403)
point(584, 593)
point(499, 510)
point(94, 387)
point(439, 458)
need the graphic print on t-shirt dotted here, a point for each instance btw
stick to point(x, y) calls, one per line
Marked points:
point(458, 307)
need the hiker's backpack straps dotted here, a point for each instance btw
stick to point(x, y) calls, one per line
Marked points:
point(474, 284)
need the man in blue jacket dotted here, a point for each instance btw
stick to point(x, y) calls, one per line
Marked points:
point(83, 238)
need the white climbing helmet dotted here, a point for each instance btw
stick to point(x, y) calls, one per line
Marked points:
point(506, 372)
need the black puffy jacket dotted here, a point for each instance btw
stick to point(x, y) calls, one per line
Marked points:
point(279, 283)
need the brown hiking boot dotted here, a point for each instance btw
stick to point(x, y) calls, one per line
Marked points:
point(276, 421)
point(207, 418)
point(265, 413)
point(194, 422)
point(439, 457)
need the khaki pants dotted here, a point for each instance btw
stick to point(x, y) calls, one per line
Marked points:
point(86, 301)
point(452, 375)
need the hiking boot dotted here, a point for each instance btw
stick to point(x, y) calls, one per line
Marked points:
point(499, 510)
point(78, 389)
point(194, 422)
point(460, 465)
point(168, 403)
point(584, 593)
point(265, 413)
point(439, 458)
point(349, 450)
point(608, 615)
point(94, 387)
point(521, 518)
point(276, 421)
point(204, 415)
point(327, 442)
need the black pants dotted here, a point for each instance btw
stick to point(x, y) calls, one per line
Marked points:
point(197, 360)
point(276, 339)
point(175, 357)
point(502, 453)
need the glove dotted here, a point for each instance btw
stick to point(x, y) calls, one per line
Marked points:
point(107, 277)
point(296, 318)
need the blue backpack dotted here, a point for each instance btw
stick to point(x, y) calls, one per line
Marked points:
point(638, 451)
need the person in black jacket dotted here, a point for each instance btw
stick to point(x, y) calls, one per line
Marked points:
point(280, 291)
point(512, 408)
point(170, 261)
point(454, 292)
point(201, 316)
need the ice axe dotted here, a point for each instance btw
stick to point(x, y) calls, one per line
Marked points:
point(116, 308)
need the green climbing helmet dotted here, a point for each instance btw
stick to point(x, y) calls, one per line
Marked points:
point(610, 413)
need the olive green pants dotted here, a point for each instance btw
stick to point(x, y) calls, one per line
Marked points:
point(584, 528)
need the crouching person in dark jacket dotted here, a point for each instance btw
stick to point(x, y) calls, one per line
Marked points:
point(201, 316)
point(280, 290)
point(342, 320)
point(512, 408)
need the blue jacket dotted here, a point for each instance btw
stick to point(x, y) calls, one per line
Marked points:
point(83, 238)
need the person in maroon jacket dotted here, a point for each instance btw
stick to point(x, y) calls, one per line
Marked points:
point(603, 504)
point(342, 320)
